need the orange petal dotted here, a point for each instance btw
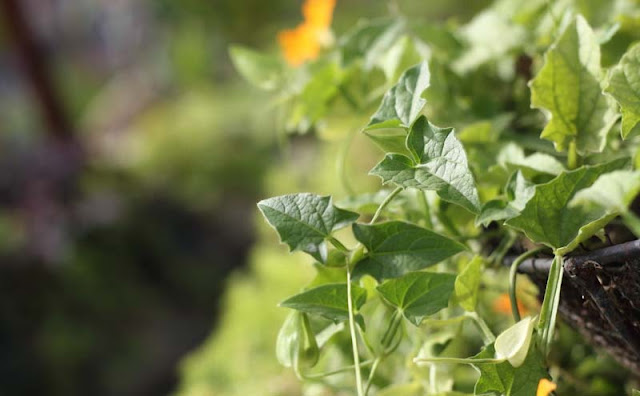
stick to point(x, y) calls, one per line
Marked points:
point(545, 387)
point(502, 304)
point(299, 44)
point(318, 13)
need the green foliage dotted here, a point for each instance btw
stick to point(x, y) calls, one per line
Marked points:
point(329, 301)
point(624, 87)
point(439, 163)
point(568, 86)
point(549, 219)
point(462, 200)
point(418, 294)
point(402, 104)
point(468, 282)
point(513, 343)
point(304, 221)
point(395, 248)
point(504, 379)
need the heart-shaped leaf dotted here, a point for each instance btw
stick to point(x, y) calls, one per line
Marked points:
point(504, 379)
point(439, 164)
point(395, 248)
point(624, 87)
point(549, 219)
point(304, 221)
point(418, 294)
point(329, 301)
point(568, 88)
point(403, 103)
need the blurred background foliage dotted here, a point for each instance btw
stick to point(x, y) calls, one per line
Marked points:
point(131, 261)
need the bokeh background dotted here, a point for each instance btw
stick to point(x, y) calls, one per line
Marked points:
point(132, 258)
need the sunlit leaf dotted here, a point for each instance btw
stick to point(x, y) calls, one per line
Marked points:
point(403, 103)
point(513, 343)
point(624, 86)
point(467, 284)
point(440, 164)
point(549, 219)
point(568, 89)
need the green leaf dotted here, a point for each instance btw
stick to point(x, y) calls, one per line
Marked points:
point(440, 165)
point(390, 140)
point(624, 87)
point(489, 36)
point(403, 103)
point(467, 284)
point(304, 221)
point(612, 191)
point(568, 88)
point(513, 343)
point(261, 70)
point(418, 294)
point(370, 40)
point(395, 248)
point(329, 301)
point(549, 219)
point(512, 156)
point(504, 379)
point(296, 344)
point(520, 189)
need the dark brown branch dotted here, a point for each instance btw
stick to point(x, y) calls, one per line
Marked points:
point(36, 70)
point(615, 254)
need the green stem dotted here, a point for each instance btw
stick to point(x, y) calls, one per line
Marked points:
point(354, 339)
point(433, 388)
point(338, 245)
point(498, 255)
point(482, 325)
point(549, 310)
point(372, 374)
point(632, 222)
point(512, 280)
point(573, 159)
point(391, 329)
point(457, 360)
point(384, 204)
point(334, 372)
point(425, 207)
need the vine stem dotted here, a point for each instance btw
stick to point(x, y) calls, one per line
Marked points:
point(318, 376)
point(482, 325)
point(457, 360)
point(512, 280)
point(549, 309)
point(356, 256)
point(384, 204)
point(354, 340)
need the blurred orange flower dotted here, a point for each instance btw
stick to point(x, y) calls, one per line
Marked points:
point(502, 305)
point(305, 41)
point(545, 387)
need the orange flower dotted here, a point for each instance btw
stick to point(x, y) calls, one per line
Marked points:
point(545, 387)
point(305, 41)
point(502, 304)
